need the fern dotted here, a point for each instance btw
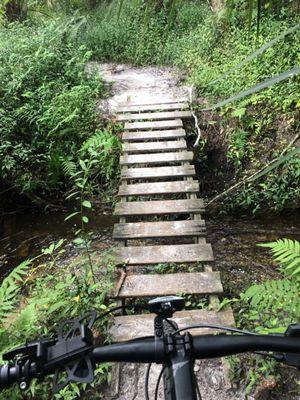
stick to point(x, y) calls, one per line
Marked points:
point(275, 297)
point(94, 141)
point(10, 288)
point(276, 303)
point(69, 167)
point(287, 253)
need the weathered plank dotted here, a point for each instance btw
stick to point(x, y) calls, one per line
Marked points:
point(159, 188)
point(151, 285)
point(156, 100)
point(152, 147)
point(135, 126)
point(161, 207)
point(139, 230)
point(129, 327)
point(182, 253)
point(153, 107)
point(158, 172)
point(154, 116)
point(153, 135)
point(157, 158)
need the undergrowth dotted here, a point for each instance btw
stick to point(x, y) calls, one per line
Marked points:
point(48, 108)
point(254, 130)
point(269, 308)
point(39, 298)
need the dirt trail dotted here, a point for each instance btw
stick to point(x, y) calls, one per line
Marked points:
point(139, 85)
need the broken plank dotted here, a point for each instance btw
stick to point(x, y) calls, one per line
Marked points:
point(161, 207)
point(150, 285)
point(146, 230)
point(158, 172)
point(154, 116)
point(153, 107)
point(152, 147)
point(182, 253)
point(175, 123)
point(130, 327)
point(157, 158)
point(159, 188)
point(153, 135)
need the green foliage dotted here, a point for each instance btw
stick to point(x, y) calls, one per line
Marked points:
point(275, 303)
point(98, 156)
point(279, 189)
point(10, 288)
point(269, 308)
point(55, 294)
point(287, 253)
point(47, 104)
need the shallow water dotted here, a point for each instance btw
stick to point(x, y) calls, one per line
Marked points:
point(237, 255)
point(234, 241)
point(24, 235)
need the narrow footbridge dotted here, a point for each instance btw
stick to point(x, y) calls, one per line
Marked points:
point(161, 233)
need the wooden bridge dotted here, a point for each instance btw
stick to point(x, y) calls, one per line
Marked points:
point(160, 220)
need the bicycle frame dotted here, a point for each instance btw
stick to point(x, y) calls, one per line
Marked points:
point(181, 371)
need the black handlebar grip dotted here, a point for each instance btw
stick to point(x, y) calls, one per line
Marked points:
point(225, 345)
point(8, 375)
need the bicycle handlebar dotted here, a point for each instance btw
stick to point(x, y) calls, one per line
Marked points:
point(205, 346)
point(147, 351)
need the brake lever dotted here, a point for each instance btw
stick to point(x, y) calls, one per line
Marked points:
point(291, 359)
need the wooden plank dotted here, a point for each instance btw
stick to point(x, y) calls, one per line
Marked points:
point(154, 116)
point(135, 126)
point(129, 327)
point(161, 207)
point(162, 100)
point(152, 147)
point(152, 285)
point(158, 188)
point(153, 107)
point(153, 135)
point(157, 158)
point(144, 230)
point(182, 253)
point(158, 172)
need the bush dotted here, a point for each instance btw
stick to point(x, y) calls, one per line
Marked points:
point(47, 106)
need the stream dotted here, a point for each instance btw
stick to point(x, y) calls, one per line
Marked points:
point(24, 235)
point(234, 241)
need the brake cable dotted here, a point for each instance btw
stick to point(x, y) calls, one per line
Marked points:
point(123, 307)
point(219, 327)
point(158, 382)
point(146, 384)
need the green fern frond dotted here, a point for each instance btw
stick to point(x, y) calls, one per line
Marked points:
point(69, 167)
point(100, 140)
point(275, 296)
point(287, 253)
point(10, 288)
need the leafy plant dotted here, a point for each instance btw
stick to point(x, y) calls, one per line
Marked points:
point(47, 106)
point(10, 288)
point(54, 296)
point(98, 156)
point(274, 304)
point(287, 253)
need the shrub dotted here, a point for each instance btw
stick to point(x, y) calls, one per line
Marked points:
point(47, 106)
